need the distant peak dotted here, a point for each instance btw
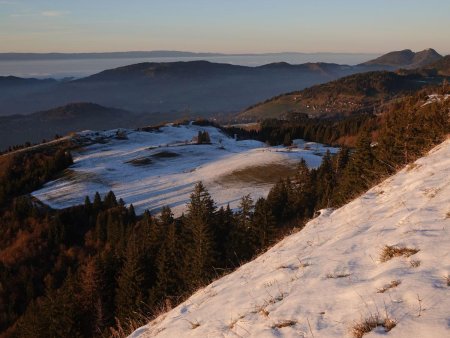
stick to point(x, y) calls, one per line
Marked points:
point(405, 58)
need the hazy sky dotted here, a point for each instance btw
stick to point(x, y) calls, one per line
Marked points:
point(224, 25)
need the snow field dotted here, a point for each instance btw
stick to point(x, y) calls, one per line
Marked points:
point(168, 166)
point(329, 277)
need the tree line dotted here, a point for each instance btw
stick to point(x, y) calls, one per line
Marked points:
point(96, 269)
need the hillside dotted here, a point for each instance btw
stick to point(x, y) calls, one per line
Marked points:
point(181, 87)
point(158, 168)
point(405, 59)
point(378, 263)
point(18, 129)
point(352, 94)
point(441, 67)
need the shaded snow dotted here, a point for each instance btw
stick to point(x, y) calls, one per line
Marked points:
point(169, 180)
point(297, 280)
point(436, 98)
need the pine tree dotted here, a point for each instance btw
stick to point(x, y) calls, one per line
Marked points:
point(304, 191)
point(87, 203)
point(360, 171)
point(110, 200)
point(131, 214)
point(90, 295)
point(168, 267)
point(198, 225)
point(242, 246)
point(224, 225)
point(263, 224)
point(129, 292)
point(278, 199)
point(97, 206)
point(326, 181)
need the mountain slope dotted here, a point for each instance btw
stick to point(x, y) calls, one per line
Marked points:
point(18, 129)
point(326, 279)
point(183, 87)
point(161, 167)
point(405, 59)
point(441, 67)
point(352, 94)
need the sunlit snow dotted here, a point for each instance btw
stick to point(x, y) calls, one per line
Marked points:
point(158, 168)
point(328, 277)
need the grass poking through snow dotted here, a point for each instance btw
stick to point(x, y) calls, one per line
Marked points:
point(284, 323)
point(390, 252)
point(338, 275)
point(370, 323)
point(391, 285)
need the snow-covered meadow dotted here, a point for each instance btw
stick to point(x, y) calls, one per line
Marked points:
point(334, 275)
point(158, 168)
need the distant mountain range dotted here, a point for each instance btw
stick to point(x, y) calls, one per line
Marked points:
point(104, 55)
point(141, 54)
point(195, 86)
point(358, 93)
point(147, 93)
point(405, 59)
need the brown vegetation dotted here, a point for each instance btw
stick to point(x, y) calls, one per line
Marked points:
point(390, 252)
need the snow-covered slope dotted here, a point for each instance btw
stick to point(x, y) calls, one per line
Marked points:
point(158, 168)
point(325, 279)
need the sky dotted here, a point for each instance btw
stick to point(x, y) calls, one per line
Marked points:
point(229, 26)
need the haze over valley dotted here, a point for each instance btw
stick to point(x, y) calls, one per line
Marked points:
point(226, 169)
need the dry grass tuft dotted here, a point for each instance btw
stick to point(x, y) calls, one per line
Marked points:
point(412, 166)
point(125, 328)
point(338, 275)
point(414, 263)
point(390, 252)
point(262, 310)
point(391, 285)
point(234, 322)
point(369, 324)
point(195, 324)
point(284, 323)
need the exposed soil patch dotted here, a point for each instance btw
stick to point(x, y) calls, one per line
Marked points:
point(263, 174)
point(165, 154)
point(140, 161)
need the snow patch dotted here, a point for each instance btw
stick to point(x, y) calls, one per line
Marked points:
point(288, 291)
point(158, 168)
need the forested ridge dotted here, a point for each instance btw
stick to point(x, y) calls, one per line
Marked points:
point(98, 269)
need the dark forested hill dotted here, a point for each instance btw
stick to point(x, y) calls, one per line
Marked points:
point(198, 86)
point(18, 129)
point(359, 93)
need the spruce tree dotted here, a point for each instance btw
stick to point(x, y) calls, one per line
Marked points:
point(129, 293)
point(97, 206)
point(263, 224)
point(168, 267)
point(241, 245)
point(224, 225)
point(326, 181)
point(198, 225)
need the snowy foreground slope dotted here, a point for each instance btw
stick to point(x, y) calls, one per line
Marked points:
point(158, 168)
point(328, 277)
